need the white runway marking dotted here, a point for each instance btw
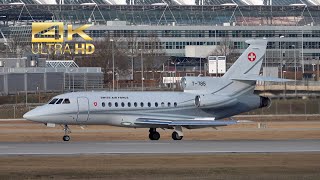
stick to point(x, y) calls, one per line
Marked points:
point(159, 147)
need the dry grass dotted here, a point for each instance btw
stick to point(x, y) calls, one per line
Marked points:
point(25, 131)
point(219, 166)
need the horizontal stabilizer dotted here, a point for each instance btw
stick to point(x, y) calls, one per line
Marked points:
point(191, 122)
point(260, 78)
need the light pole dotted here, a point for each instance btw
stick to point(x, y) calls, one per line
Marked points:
point(295, 69)
point(132, 73)
point(285, 85)
point(69, 81)
point(142, 78)
point(26, 81)
point(71, 71)
point(72, 82)
point(112, 64)
point(318, 70)
point(200, 67)
point(281, 63)
point(313, 70)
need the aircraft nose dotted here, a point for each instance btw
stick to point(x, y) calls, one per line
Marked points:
point(34, 114)
point(29, 115)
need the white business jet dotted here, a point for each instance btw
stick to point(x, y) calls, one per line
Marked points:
point(204, 102)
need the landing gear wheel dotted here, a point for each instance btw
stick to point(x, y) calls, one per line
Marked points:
point(153, 134)
point(66, 138)
point(175, 136)
point(66, 132)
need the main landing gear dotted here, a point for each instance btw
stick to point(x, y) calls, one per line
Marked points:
point(176, 135)
point(66, 132)
point(153, 134)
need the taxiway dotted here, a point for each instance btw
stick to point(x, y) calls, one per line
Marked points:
point(160, 147)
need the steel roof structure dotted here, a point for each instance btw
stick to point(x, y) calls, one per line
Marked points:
point(166, 2)
point(162, 15)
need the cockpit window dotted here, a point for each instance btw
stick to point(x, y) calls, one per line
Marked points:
point(66, 101)
point(53, 101)
point(59, 101)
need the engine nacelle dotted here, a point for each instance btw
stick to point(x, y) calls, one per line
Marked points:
point(264, 102)
point(214, 101)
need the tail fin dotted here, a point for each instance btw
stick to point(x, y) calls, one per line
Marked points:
point(250, 61)
point(239, 79)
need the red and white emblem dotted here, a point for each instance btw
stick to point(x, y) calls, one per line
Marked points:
point(95, 103)
point(252, 56)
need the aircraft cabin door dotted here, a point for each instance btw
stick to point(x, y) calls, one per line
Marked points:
point(83, 109)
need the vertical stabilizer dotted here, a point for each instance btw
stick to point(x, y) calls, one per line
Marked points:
point(250, 61)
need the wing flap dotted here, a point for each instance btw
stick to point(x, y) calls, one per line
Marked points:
point(191, 122)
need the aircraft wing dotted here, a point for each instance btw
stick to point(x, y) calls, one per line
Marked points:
point(191, 122)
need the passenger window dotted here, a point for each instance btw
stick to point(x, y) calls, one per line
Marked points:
point(129, 104)
point(103, 104)
point(122, 104)
point(59, 101)
point(53, 101)
point(149, 104)
point(162, 104)
point(66, 101)
point(175, 104)
point(141, 104)
point(156, 104)
point(135, 104)
point(116, 104)
point(169, 104)
point(109, 104)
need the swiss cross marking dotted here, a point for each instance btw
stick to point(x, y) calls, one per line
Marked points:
point(252, 56)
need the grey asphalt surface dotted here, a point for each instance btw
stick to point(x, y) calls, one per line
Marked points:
point(159, 147)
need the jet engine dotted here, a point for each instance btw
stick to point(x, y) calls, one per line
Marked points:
point(264, 102)
point(214, 101)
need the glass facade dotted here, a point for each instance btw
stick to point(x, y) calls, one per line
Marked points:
point(179, 26)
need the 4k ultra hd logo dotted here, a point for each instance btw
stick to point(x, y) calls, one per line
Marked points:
point(48, 38)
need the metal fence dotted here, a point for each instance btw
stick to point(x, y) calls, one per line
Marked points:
point(30, 80)
point(298, 106)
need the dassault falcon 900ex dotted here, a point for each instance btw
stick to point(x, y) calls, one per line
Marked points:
point(203, 103)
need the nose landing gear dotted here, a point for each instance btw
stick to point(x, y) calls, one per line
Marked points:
point(175, 136)
point(177, 133)
point(66, 132)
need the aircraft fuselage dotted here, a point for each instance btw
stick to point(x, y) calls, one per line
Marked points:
point(123, 108)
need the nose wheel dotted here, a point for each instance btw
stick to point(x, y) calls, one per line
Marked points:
point(177, 133)
point(175, 136)
point(153, 134)
point(66, 132)
point(66, 138)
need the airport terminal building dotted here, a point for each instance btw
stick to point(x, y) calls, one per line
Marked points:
point(292, 27)
point(179, 23)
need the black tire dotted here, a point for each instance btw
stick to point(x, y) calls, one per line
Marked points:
point(175, 136)
point(154, 136)
point(66, 138)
